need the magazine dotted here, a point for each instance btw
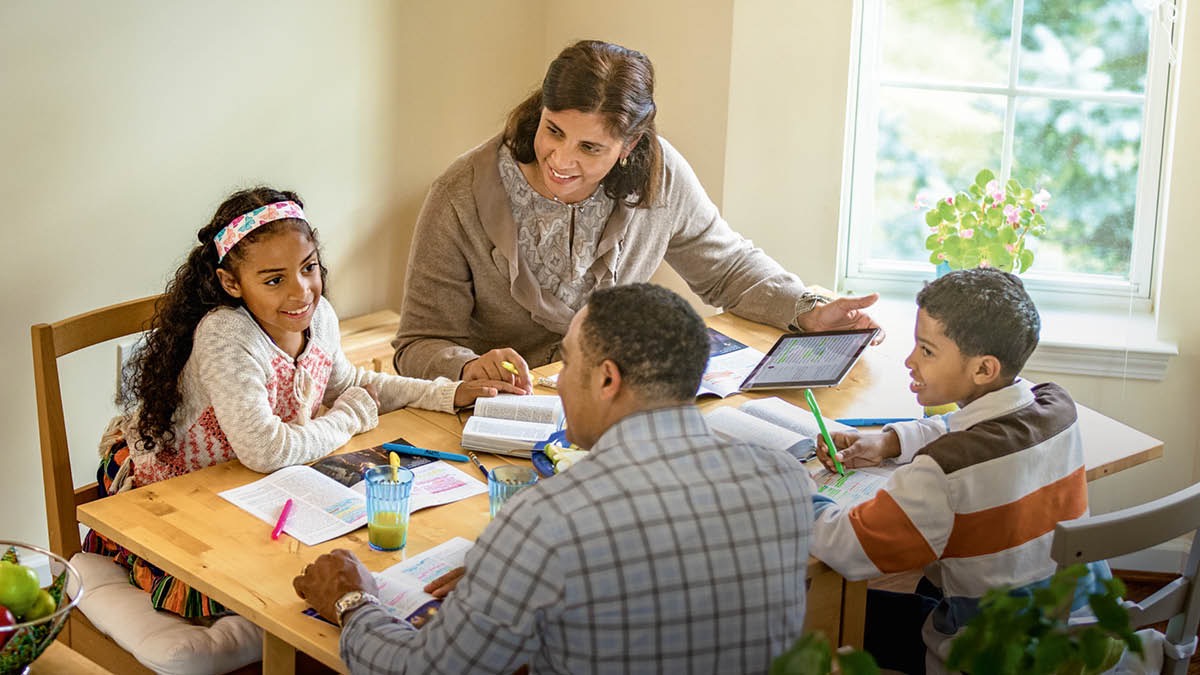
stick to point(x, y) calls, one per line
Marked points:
point(729, 363)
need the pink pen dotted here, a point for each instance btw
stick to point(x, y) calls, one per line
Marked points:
point(287, 508)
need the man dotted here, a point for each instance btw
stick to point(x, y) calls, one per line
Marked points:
point(666, 549)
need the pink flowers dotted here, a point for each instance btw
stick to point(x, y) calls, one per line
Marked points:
point(1012, 214)
point(994, 191)
point(1041, 199)
point(967, 233)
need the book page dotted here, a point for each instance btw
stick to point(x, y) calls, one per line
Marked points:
point(737, 425)
point(401, 585)
point(322, 508)
point(856, 486)
point(488, 434)
point(540, 408)
point(778, 411)
point(726, 372)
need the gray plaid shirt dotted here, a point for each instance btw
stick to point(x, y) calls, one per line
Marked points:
point(666, 550)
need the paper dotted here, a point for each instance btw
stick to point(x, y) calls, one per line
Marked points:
point(540, 408)
point(729, 363)
point(322, 508)
point(789, 416)
point(856, 486)
point(511, 425)
point(738, 425)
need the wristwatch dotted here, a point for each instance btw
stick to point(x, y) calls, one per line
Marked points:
point(351, 601)
point(806, 303)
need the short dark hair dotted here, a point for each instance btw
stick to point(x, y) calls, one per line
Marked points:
point(656, 339)
point(594, 76)
point(985, 312)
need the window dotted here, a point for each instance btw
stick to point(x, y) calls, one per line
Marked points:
point(1066, 96)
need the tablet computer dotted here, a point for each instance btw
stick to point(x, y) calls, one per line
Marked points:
point(818, 359)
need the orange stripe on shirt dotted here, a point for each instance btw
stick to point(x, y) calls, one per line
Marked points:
point(1010, 525)
point(888, 536)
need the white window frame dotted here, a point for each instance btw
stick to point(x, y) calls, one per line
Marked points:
point(858, 273)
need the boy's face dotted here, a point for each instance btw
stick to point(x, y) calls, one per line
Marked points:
point(940, 373)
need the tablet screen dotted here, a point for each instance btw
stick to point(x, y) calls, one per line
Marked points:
point(809, 359)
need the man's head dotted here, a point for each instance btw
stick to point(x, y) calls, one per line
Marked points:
point(975, 330)
point(634, 347)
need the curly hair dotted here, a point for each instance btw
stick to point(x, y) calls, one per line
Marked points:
point(985, 312)
point(592, 76)
point(151, 378)
point(659, 343)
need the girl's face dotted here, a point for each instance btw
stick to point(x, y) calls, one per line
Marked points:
point(279, 279)
point(574, 151)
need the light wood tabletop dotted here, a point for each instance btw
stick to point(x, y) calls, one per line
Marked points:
point(59, 658)
point(185, 527)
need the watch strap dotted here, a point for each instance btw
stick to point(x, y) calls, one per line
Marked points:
point(352, 601)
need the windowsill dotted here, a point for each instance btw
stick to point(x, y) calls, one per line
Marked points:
point(1094, 342)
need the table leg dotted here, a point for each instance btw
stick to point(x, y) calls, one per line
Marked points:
point(854, 613)
point(279, 657)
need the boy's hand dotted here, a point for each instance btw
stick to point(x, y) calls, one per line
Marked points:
point(856, 450)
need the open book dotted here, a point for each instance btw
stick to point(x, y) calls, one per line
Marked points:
point(729, 363)
point(325, 507)
point(400, 586)
point(511, 425)
point(776, 424)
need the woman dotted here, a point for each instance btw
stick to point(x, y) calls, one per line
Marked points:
point(579, 192)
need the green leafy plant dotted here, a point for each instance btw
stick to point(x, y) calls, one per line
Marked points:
point(986, 225)
point(1028, 633)
point(812, 655)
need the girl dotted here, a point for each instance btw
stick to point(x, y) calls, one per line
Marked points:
point(242, 353)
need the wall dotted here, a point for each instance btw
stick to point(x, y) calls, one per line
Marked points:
point(127, 122)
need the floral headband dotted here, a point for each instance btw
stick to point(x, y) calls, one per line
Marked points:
point(246, 223)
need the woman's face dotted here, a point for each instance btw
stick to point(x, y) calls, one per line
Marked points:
point(575, 151)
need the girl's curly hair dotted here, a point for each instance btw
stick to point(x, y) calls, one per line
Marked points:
point(152, 376)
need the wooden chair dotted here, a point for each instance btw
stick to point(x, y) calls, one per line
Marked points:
point(1135, 529)
point(51, 341)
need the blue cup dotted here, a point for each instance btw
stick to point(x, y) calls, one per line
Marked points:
point(506, 481)
point(388, 490)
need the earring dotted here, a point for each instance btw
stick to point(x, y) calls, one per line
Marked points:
point(625, 161)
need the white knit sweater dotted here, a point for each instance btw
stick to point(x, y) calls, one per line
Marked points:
point(244, 397)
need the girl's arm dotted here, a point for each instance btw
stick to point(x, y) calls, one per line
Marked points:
point(235, 365)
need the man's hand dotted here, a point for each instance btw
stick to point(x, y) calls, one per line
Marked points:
point(841, 314)
point(857, 450)
point(331, 576)
point(490, 366)
point(441, 586)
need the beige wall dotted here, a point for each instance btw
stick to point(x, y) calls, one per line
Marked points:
point(133, 119)
point(127, 122)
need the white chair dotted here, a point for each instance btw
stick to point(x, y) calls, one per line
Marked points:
point(1135, 529)
point(116, 626)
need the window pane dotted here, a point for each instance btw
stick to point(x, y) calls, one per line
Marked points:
point(1086, 154)
point(965, 40)
point(1092, 45)
point(933, 142)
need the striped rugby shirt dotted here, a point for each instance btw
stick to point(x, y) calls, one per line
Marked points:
point(976, 506)
point(666, 550)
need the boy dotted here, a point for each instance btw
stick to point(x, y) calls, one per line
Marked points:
point(979, 490)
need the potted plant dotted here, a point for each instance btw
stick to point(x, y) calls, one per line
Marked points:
point(812, 655)
point(1029, 633)
point(987, 225)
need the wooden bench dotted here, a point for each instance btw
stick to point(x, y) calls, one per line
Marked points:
point(367, 340)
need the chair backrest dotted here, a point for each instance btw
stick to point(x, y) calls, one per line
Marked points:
point(1135, 529)
point(50, 341)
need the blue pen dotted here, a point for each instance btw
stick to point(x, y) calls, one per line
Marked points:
point(423, 452)
point(872, 421)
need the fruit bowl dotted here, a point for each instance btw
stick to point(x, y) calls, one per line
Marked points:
point(23, 642)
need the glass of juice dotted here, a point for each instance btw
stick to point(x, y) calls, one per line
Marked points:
point(388, 490)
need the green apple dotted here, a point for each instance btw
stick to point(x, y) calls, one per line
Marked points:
point(42, 607)
point(18, 587)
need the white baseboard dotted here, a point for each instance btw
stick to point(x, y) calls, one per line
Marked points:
point(1168, 557)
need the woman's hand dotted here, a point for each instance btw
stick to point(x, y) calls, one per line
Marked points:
point(857, 450)
point(490, 366)
point(469, 390)
point(841, 314)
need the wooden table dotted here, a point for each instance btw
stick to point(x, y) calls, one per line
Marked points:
point(59, 658)
point(183, 526)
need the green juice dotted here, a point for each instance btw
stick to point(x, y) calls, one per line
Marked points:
point(387, 530)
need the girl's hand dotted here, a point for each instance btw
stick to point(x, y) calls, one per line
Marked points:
point(857, 450)
point(490, 366)
point(468, 391)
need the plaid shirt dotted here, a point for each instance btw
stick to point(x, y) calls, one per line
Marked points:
point(667, 549)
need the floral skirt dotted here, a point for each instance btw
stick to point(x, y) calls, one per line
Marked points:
point(166, 592)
